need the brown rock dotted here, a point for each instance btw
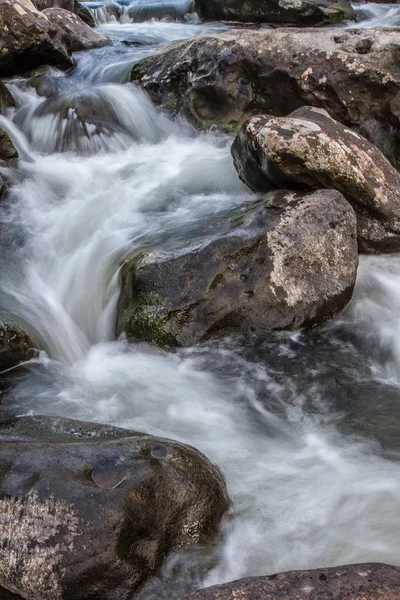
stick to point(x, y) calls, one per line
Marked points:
point(227, 78)
point(289, 261)
point(372, 581)
point(76, 33)
point(16, 346)
point(28, 39)
point(309, 149)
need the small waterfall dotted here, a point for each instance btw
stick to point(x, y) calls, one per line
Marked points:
point(138, 11)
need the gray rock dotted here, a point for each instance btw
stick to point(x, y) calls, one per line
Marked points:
point(28, 39)
point(89, 512)
point(6, 98)
point(354, 582)
point(289, 261)
point(7, 148)
point(224, 79)
point(298, 12)
point(309, 149)
point(77, 34)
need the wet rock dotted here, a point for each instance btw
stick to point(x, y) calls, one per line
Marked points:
point(84, 13)
point(70, 5)
point(355, 582)
point(77, 34)
point(7, 148)
point(6, 98)
point(16, 346)
point(298, 12)
point(91, 512)
point(309, 149)
point(28, 39)
point(224, 79)
point(289, 261)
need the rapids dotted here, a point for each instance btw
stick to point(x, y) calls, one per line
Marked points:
point(304, 427)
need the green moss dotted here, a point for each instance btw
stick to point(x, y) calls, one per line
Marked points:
point(136, 74)
point(146, 319)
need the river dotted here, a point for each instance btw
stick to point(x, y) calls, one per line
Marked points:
point(304, 427)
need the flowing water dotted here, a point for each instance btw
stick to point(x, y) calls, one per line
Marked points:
point(304, 427)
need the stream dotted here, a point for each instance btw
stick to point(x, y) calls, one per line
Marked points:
point(305, 427)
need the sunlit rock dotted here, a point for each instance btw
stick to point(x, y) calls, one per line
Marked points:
point(309, 149)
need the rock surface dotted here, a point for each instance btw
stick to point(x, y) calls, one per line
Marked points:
point(6, 99)
point(77, 34)
point(16, 346)
point(299, 12)
point(7, 148)
point(227, 78)
point(91, 511)
point(371, 581)
point(308, 149)
point(289, 261)
point(28, 39)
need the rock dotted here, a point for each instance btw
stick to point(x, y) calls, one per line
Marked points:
point(91, 511)
point(84, 13)
point(289, 261)
point(6, 98)
point(28, 39)
point(355, 582)
point(70, 5)
point(309, 149)
point(7, 148)
point(76, 33)
point(298, 12)
point(224, 79)
point(16, 346)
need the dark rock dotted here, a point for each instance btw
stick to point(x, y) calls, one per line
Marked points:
point(298, 12)
point(84, 13)
point(28, 39)
point(371, 581)
point(289, 261)
point(16, 346)
point(227, 78)
point(160, 10)
point(7, 148)
point(77, 34)
point(90, 512)
point(6, 98)
point(308, 149)
point(70, 5)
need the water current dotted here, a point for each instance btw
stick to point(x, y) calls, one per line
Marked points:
point(304, 427)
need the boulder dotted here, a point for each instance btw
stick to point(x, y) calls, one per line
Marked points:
point(288, 261)
point(16, 346)
point(71, 5)
point(28, 39)
point(224, 79)
point(91, 511)
point(298, 12)
point(6, 98)
point(310, 150)
point(355, 582)
point(76, 33)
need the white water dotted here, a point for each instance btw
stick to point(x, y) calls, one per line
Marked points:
point(299, 425)
point(372, 15)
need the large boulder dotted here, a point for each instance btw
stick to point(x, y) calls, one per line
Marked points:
point(309, 149)
point(299, 12)
point(289, 261)
point(28, 39)
point(71, 5)
point(77, 34)
point(224, 79)
point(89, 512)
point(371, 581)
point(16, 346)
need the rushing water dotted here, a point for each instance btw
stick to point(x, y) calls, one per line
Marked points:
point(304, 427)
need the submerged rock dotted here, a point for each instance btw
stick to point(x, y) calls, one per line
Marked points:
point(28, 39)
point(91, 511)
point(299, 12)
point(289, 261)
point(77, 34)
point(309, 149)
point(227, 78)
point(355, 582)
point(16, 346)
